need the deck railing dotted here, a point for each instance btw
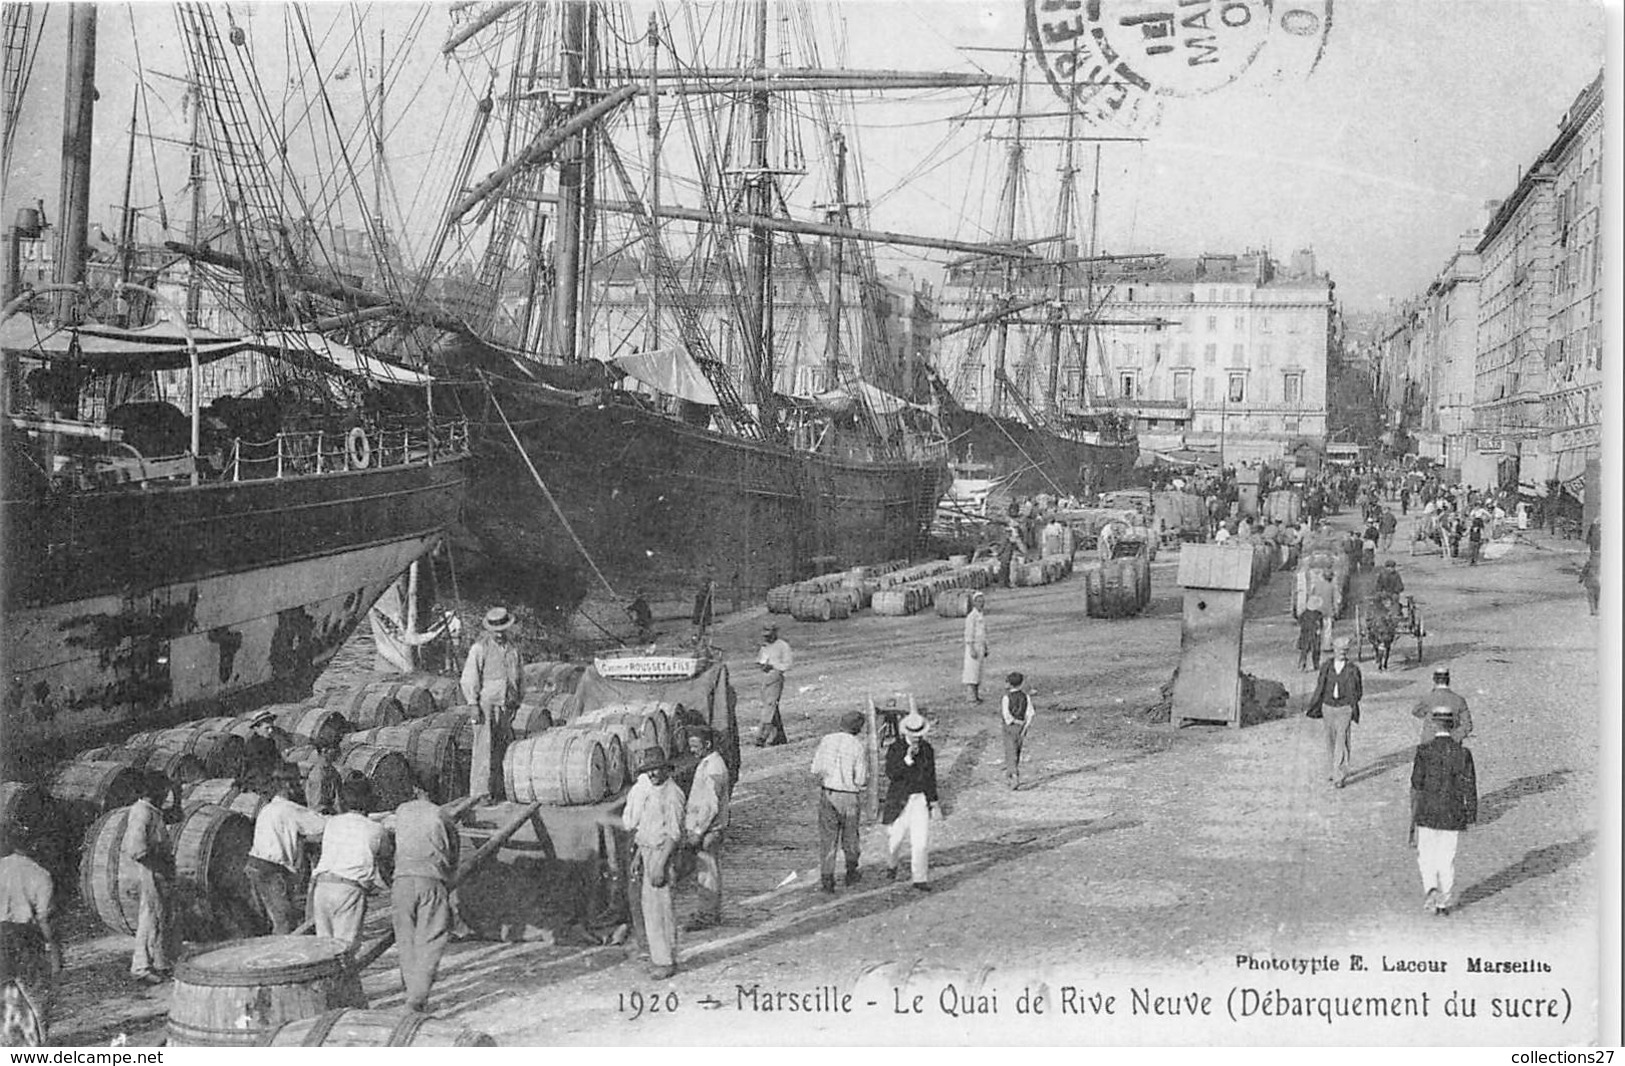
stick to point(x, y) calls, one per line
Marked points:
point(330, 450)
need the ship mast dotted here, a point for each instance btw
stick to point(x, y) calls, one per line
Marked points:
point(1063, 222)
point(78, 120)
point(1012, 193)
point(759, 351)
point(1089, 279)
point(837, 216)
point(651, 330)
point(568, 233)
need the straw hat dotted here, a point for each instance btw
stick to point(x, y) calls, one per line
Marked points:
point(914, 725)
point(1340, 644)
point(498, 619)
point(263, 717)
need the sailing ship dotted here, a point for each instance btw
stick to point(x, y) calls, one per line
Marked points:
point(1029, 425)
point(675, 451)
point(167, 558)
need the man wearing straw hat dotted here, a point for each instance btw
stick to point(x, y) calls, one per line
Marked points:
point(654, 816)
point(911, 799)
point(1336, 700)
point(1444, 802)
point(493, 680)
point(970, 675)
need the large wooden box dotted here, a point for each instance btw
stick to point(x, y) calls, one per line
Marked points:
point(1216, 566)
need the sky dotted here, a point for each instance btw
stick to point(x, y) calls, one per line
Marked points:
point(1417, 113)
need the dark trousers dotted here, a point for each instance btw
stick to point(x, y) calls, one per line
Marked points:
point(837, 829)
point(1014, 734)
point(277, 890)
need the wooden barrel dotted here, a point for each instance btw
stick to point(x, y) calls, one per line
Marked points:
point(211, 890)
point(223, 792)
point(238, 993)
point(533, 716)
point(221, 753)
point(133, 757)
point(389, 772)
point(651, 721)
point(313, 724)
point(954, 603)
point(561, 766)
point(374, 1028)
point(431, 753)
point(84, 791)
point(366, 709)
point(107, 880)
point(897, 602)
point(460, 720)
point(778, 599)
point(617, 760)
point(447, 692)
point(26, 809)
point(811, 607)
point(415, 700)
point(180, 767)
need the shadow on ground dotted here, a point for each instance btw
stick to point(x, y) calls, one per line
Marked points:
point(1537, 862)
point(1494, 804)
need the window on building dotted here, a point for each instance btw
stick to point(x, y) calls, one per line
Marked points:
point(1210, 354)
point(1207, 425)
point(1125, 387)
point(1213, 323)
point(1238, 354)
point(1292, 388)
point(1264, 324)
point(1241, 323)
point(1294, 324)
point(1290, 425)
point(1264, 355)
point(1182, 386)
point(1207, 389)
point(1184, 353)
point(1238, 388)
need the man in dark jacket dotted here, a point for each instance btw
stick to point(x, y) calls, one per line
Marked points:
point(911, 799)
point(1311, 623)
point(1444, 802)
point(1336, 701)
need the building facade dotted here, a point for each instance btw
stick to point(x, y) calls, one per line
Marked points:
point(1219, 353)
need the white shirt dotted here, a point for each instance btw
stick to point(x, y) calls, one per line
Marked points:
point(1221, 536)
point(653, 813)
point(842, 761)
point(777, 655)
point(351, 847)
point(1004, 710)
point(707, 807)
point(278, 828)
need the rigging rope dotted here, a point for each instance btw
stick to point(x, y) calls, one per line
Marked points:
point(551, 502)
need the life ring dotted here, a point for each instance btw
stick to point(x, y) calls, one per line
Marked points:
point(357, 449)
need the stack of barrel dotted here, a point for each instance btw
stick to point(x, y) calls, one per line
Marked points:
point(947, 585)
point(1284, 506)
point(832, 596)
point(589, 758)
point(1180, 516)
point(1119, 584)
point(1323, 572)
point(1264, 559)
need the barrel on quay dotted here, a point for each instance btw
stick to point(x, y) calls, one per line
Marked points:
point(240, 992)
point(374, 1028)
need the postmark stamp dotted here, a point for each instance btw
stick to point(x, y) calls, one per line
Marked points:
point(1119, 60)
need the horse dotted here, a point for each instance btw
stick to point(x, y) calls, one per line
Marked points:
point(1382, 628)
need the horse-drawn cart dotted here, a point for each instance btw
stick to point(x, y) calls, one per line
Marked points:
point(1383, 619)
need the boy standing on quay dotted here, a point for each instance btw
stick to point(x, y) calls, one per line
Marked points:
point(1017, 711)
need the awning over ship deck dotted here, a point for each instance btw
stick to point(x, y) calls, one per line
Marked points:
point(672, 371)
point(163, 346)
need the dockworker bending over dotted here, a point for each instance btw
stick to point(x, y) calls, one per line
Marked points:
point(654, 816)
point(355, 856)
point(275, 867)
point(841, 765)
point(704, 819)
point(426, 853)
point(494, 680)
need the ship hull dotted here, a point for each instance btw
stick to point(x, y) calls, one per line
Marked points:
point(130, 610)
point(656, 503)
point(1038, 461)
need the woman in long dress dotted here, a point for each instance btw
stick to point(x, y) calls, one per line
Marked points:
point(975, 649)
